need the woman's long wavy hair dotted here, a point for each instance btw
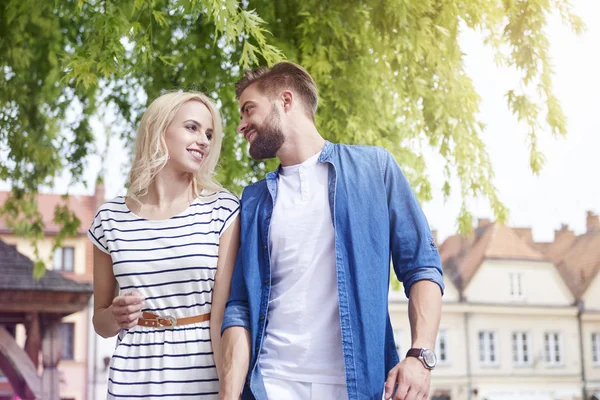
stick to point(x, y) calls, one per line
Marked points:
point(151, 153)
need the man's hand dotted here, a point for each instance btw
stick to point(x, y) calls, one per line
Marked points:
point(412, 378)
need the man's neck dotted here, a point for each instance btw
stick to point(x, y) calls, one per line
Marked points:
point(300, 146)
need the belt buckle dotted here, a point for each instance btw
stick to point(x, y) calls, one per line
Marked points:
point(172, 320)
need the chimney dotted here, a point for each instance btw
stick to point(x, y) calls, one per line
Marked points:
point(99, 192)
point(563, 232)
point(592, 222)
point(483, 222)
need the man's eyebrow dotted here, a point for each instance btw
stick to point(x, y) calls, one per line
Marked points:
point(245, 104)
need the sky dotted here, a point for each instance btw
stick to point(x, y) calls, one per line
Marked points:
point(568, 185)
point(566, 188)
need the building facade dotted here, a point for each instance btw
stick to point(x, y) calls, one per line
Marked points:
point(74, 261)
point(520, 320)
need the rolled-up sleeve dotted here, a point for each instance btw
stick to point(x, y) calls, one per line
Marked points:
point(237, 312)
point(414, 253)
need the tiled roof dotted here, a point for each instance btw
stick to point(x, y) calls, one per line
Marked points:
point(580, 262)
point(16, 271)
point(83, 206)
point(463, 255)
point(576, 257)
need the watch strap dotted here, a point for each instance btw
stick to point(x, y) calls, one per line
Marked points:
point(414, 352)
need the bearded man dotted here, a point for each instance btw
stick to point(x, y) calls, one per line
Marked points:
point(308, 313)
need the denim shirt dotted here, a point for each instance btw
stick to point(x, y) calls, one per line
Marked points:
point(375, 214)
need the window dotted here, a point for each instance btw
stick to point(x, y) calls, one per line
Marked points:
point(487, 348)
point(441, 347)
point(68, 340)
point(596, 348)
point(521, 348)
point(398, 339)
point(63, 259)
point(516, 286)
point(553, 348)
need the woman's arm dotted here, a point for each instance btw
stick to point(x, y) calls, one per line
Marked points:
point(228, 248)
point(112, 313)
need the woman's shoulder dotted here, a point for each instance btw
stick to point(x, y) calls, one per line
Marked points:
point(218, 198)
point(114, 205)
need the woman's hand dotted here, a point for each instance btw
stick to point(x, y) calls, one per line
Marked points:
point(126, 309)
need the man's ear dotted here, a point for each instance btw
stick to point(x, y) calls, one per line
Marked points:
point(287, 99)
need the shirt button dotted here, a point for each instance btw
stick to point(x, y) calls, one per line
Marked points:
point(262, 317)
point(266, 281)
point(269, 215)
point(265, 247)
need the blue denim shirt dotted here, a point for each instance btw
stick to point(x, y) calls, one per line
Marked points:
point(375, 214)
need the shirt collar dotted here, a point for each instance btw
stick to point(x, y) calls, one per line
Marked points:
point(325, 156)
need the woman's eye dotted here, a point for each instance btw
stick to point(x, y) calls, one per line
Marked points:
point(209, 136)
point(191, 127)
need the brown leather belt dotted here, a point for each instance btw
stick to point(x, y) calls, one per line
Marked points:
point(156, 321)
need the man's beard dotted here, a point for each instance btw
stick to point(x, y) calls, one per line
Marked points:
point(268, 139)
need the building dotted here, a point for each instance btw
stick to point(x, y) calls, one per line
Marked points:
point(73, 260)
point(36, 306)
point(578, 260)
point(520, 320)
point(512, 322)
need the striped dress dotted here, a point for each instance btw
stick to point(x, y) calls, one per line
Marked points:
point(172, 263)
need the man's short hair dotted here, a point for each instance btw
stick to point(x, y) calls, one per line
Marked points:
point(281, 76)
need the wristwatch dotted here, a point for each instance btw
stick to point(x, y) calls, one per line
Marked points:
point(426, 356)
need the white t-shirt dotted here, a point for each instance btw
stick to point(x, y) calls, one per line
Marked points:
point(303, 336)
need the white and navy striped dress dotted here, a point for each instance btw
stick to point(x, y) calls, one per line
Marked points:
point(172, 263)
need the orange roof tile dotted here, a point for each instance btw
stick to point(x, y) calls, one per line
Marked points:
point(580, 263)
point(462, 256)
point(83, 206)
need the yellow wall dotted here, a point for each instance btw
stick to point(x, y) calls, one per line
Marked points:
point(541, 281)
point(45, 250)
point(73, 373)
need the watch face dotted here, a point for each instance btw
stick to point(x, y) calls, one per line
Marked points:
point(429, 358)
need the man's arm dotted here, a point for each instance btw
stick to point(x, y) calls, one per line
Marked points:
point(424, 313)
point(417, 264)
point(413, 380)
point(236, 360)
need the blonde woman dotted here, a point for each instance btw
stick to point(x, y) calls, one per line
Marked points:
point(164, 256)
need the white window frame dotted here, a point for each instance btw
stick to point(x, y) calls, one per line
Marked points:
point(488, 347)
point(521, 348)
point(553, 341)
point(58, 259)
point(442, 353)
point(517, 291)
point(70, 326)
point(596, 349)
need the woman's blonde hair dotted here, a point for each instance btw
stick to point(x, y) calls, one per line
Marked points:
point(151, 153)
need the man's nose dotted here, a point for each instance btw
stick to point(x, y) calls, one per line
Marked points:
point(242, 127)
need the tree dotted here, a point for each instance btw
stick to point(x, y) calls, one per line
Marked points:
point(389, 72)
